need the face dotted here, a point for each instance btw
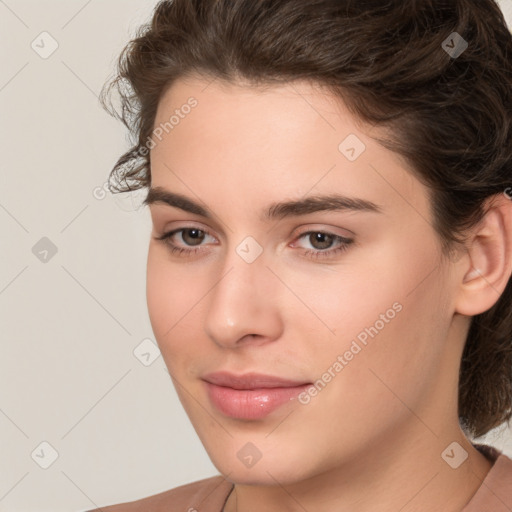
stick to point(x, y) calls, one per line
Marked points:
point(347, 300)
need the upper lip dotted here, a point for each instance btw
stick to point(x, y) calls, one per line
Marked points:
point(250, 381)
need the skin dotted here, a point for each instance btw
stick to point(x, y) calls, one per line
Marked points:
point(372, 439)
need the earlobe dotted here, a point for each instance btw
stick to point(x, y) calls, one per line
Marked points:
point(490, 259)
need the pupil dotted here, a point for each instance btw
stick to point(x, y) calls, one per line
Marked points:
point(195, 235)
point(321, 238)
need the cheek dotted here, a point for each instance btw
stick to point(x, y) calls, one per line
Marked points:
point(171, 296)
point(158, 295)
point(387, 368)
point(386, 313)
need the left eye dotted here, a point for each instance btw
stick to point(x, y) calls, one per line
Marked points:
point(321, 239)
point(322, 242)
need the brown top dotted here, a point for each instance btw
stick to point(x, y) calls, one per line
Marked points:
point(210, 494)
point(495, 493)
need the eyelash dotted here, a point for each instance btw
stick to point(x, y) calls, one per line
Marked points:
point(310, 253)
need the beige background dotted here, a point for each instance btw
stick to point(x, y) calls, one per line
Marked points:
point(71, 370)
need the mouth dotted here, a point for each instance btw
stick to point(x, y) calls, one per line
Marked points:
point(251, 396)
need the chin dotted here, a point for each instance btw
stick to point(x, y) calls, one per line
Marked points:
point(275, 468)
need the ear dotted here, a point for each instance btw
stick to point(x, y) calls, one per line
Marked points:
point(488, 266)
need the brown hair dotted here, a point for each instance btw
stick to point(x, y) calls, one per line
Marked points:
point(449, 116)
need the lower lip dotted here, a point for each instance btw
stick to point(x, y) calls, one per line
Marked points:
point(251, 404)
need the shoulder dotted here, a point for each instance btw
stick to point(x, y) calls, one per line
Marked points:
point(495, 493)
point(206, 495)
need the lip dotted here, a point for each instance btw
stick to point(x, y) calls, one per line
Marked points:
point(250, 381)
point(250, 396)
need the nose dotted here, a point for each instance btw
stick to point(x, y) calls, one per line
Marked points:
point(243, 308)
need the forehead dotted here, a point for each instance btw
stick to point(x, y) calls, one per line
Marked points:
point(294, 104)
point(284, 139)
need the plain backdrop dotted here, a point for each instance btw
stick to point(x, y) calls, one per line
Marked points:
point(88, 413)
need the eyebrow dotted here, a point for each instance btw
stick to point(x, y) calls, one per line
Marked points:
point(280, 210)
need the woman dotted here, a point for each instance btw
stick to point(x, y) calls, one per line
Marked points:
point(329, 269)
